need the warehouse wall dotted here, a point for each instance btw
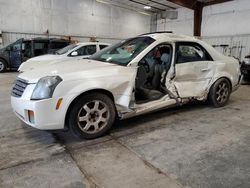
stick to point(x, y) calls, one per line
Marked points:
point(231, 18)
point(227, 24)
point(182, 25)
point(224, 25)
point(71, 17)
point(236, 45)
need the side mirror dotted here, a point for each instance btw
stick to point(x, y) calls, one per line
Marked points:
point(74, 53)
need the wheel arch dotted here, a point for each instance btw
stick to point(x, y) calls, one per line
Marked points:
point(6, 62)
point(103, 91)
point(225, 77)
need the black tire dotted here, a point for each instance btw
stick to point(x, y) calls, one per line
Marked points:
point(92, 116)
point(220, 93)
point(3, 66)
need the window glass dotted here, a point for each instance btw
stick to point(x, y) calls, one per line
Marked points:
point(58, 45)
point(103, 46)
point(161, 54)
point(66, 49)
point(26, 49)
point(39, 46)
point(191, 53)
point(123, 52)
point(17, 45)
point(86, 50)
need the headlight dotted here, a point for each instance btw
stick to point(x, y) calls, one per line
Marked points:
point(45, 87)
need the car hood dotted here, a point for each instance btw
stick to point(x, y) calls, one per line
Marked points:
point(73, 70)
point(40, 61)
point(45, 57)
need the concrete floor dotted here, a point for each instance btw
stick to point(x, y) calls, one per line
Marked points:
point(190, 146)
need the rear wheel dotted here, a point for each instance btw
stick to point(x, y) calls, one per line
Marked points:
point(2, 66)
point(220, 92)
point(92, 116)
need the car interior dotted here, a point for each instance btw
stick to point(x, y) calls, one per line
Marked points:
point(191, 52)
point(86, 50)
point(26, 50)
point(152, 70)
point(40, 48)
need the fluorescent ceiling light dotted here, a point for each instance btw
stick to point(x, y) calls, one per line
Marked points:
point(147, 7)
point(100, 1)
point(144, 13)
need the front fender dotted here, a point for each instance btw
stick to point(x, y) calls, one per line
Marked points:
point(120, 87)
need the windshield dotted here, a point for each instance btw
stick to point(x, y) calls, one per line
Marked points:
point(123, 52)
point(66, 49)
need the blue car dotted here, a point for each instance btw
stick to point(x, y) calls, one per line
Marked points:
point(12, 56)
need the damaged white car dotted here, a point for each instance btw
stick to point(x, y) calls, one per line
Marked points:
point(134, 77)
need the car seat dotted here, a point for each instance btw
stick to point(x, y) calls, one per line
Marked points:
point(159, 69)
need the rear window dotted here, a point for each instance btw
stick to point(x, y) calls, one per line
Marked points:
point(58, 45)
point(66, 49)
point(191, 52)
point(40, 48)
point(86, 50)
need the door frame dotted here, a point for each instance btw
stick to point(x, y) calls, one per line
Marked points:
point(208, 59)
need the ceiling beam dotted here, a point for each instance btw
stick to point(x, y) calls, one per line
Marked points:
point(140, 3)
point(162, 4)
point(197, 6)
point(214, 2)
point(191, 4)
point(185, 3)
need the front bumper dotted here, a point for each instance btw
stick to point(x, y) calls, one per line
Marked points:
point(46, 116)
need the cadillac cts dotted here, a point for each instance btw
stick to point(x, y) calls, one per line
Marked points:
point(136, 76)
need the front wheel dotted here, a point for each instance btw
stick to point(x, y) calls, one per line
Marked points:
point(2, 66)
point(219, 93)
point(92, 116)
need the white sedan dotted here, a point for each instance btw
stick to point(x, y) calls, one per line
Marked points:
point(70, 52)
point(136, 76)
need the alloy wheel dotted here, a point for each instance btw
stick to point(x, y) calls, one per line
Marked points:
point(1, 66)
point(222, 92)
point(93, 117)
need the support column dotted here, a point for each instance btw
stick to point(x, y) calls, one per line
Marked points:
point(198, 18)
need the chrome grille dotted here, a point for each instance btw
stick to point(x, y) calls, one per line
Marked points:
point(19, 87)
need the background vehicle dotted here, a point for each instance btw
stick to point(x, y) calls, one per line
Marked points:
point(245, 67)
point(73, 51)
point(133, 77)
point(12, 56)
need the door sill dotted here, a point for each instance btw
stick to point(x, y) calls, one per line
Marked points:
point(164, 102)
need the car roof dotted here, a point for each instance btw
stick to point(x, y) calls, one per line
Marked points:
point(92, 43)
point(47, 39)
point(171, 37)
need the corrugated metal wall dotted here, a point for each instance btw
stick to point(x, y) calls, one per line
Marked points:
point(9, 37)
point(80, 18)
point(237, 46)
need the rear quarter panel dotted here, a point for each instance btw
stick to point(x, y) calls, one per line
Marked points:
point(228, 68)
